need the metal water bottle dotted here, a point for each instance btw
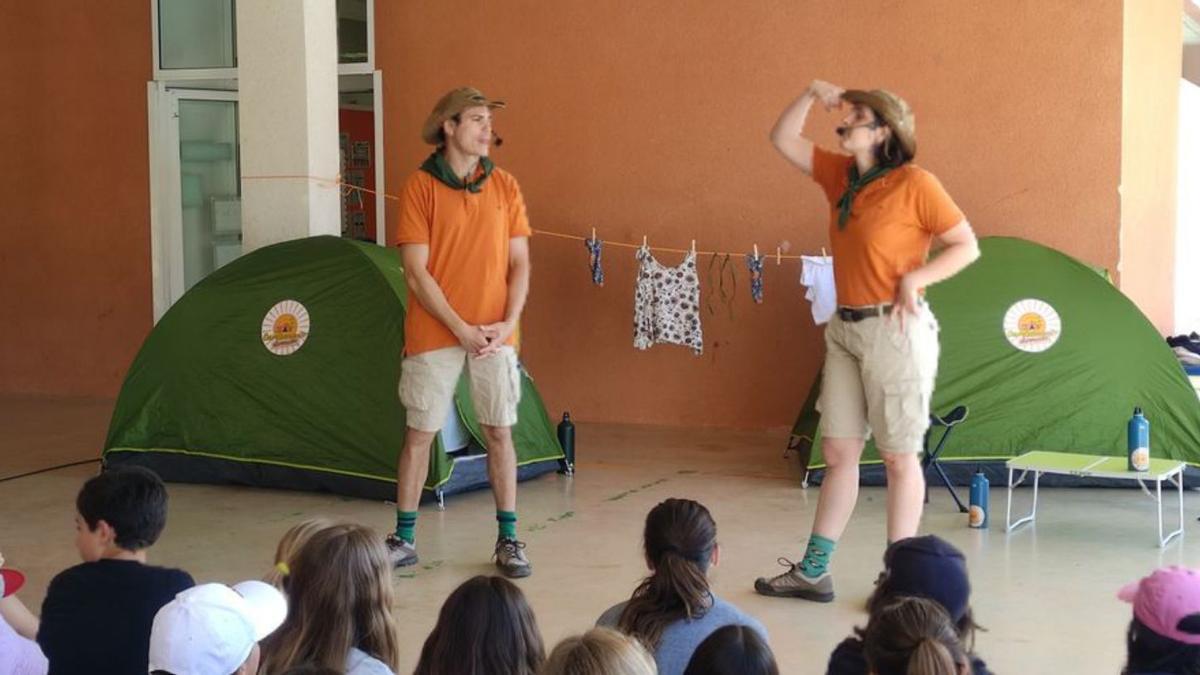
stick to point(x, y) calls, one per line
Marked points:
point(566, 439)
point(977, 515)
point(1139, 441)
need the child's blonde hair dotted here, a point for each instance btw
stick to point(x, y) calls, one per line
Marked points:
point(291, 542)
point(339, 597)
point(600, 651)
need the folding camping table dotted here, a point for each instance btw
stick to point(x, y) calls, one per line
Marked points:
point(1091, 466)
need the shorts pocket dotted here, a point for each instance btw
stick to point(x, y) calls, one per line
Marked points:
point(514, 378)
point(926, 347)
point(900, 342)
point(905, 413)
point(414, 384)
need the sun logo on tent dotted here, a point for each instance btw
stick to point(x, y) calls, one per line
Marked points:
point(285, 328)
point(1032, 325)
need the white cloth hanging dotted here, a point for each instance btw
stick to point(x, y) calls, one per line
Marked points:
point(816, 274)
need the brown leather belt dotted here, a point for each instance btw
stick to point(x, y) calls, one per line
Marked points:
point(856, 314)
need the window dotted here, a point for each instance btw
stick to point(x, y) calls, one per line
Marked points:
point(353, 36)
point(198, 38)
point(196, 34)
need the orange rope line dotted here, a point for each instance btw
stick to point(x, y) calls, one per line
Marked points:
point(347, 187)
point(334, 182)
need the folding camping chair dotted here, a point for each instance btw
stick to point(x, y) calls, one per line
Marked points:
point(947, 423)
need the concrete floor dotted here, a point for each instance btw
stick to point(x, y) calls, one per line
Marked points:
point(1045, 594)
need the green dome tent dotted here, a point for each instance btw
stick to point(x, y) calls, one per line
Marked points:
point(281, 370)
point(1048, 355)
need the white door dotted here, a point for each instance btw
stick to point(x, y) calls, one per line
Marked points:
point(195, 187)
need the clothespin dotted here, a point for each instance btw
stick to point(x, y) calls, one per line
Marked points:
point(756, 251)
point(593, 234)
point(778, 257)
point(693, 246)
point(643, 241)
point(823, 252)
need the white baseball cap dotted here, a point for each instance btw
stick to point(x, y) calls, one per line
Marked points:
point(211, 629)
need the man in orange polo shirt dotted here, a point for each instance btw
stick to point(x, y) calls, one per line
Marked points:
point(463, 238)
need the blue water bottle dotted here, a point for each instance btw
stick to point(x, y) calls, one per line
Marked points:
point(1139, 441)
point(977, 515)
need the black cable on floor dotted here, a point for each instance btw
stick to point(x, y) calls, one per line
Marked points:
point(48, 469)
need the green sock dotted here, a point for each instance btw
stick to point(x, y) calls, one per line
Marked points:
point(406, 522)
point(817, 555)
point(508, 524)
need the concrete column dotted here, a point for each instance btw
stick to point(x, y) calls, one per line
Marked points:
point(287, 107)
point(1153, 34)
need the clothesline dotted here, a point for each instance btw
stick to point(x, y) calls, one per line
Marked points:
point(777, 256)
point(679, 323)
point(337, 182)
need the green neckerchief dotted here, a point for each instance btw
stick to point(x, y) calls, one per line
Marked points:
point(435, 165)
point(856, 184)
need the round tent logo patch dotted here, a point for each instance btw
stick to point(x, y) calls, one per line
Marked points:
point(1032, 326)
point(285, 328)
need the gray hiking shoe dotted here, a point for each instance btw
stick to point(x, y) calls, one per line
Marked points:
point(401, 553)
point(510, 558)
point(793, 584)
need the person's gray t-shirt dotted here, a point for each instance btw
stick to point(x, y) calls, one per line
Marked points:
point(681, 638)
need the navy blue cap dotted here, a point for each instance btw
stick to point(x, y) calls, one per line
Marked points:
point(929, 567)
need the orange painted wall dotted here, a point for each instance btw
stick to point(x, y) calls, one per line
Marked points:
point(652, 119)
point(75, 288)
point(642, 120)
point(1149, 156)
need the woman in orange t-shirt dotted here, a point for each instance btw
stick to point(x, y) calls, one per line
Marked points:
point(882, 342)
